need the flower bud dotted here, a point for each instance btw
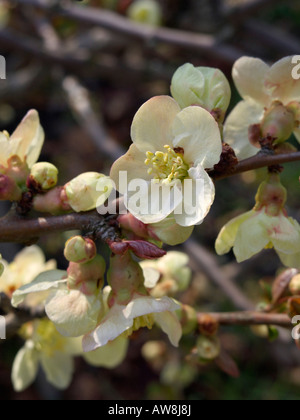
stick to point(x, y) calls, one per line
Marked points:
point(295, 285)
point(88, 191)
point(188, 319)
point(9, 189)
point(278, 123)
point(272, 195)
point(208, 348)
point(80, 250)
point(203, 86)
point(87, 277)
point(145, 11)
point(53, 202)
point(43, 176)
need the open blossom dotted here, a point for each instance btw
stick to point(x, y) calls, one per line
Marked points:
point(26, 266)
point(44, 347)
point(170, 146)
point(271, 102)
point(73, 299)
point(167, 275)
point(18, 153)
point(130, 307)
point(266, 226)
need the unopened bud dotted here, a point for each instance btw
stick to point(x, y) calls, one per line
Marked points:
point(203, 86)
point(53, 202)
point(88, 191)
point(145, 11)
point(272, 195)
point(208, 348)
point(87, 277)
point(295, 285)
point(188, 319)
point(278, 122)
point(80, 250)
point(43, 175)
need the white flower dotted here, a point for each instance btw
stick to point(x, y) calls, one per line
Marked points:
point(264, 90)
point(44, 347)
point(170, 146)
point(24, 145)
point(27, 265)
point(141, 311)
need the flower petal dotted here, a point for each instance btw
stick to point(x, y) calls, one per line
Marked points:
point(151, 276)
point(25, 367)
point(236, 129)
point(109, 356)
point(285, 234)
point(197, 132)
point(111, 327)
point(169, 232)
point(170, 325)
point(151, 127)
point(133, 163)
point(146, 305)
point(59, 369)
point(198, 197)
point(227, 236)
point(27, 140)
point(281, 84)
point(290, 260)
point(5, 147)
point(45, 282)
point(249, 75)
point(73, 313)
point(252, 237)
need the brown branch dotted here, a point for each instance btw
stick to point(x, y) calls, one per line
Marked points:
point(246, 318)
point(199, 43)
point(257, 162)
point(25, 230)
point(208, 264)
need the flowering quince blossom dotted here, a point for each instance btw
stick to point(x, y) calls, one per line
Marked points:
point(44, 347)
point(170, 146)
point(73, 299)
point(168, 275)
point(266, 226)
point(271, 100)
point(19, 152)
point(131, 307)
point(27, 265)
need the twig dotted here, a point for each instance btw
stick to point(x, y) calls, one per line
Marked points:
point(208, 264)
point(246, 318)
point(239, 13)
point(257, 162)
point(199, 43)
point(24, 230)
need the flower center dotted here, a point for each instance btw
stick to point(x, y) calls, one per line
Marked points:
point(140, 322)
point(167, 166)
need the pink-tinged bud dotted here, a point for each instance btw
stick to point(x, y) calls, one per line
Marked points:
point(272, 195)
point(52, 202)
point(80, 250)
point(278, 122)
point(17, 170)
point(126, 278)
point(43, 176)
point(9, 189)
point(130, 223)
point(87, 277)
point(294, 107)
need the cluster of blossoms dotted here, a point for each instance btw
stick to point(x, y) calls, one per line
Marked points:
point(95, 306)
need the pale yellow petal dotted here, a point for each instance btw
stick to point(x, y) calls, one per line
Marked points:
point(197, 132)
point(25, 367)
point(151, 127)
point(236, 129)
point(58, 369)
point(170, 325)
point(282, 86)
point(249, 76)
point(109, 356)
point(170, 233)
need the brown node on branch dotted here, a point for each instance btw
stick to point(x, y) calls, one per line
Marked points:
point(208, 325)
point(227, 162)
point(25, 205)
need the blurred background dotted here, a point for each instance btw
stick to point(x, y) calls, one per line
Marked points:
point(87, 67)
